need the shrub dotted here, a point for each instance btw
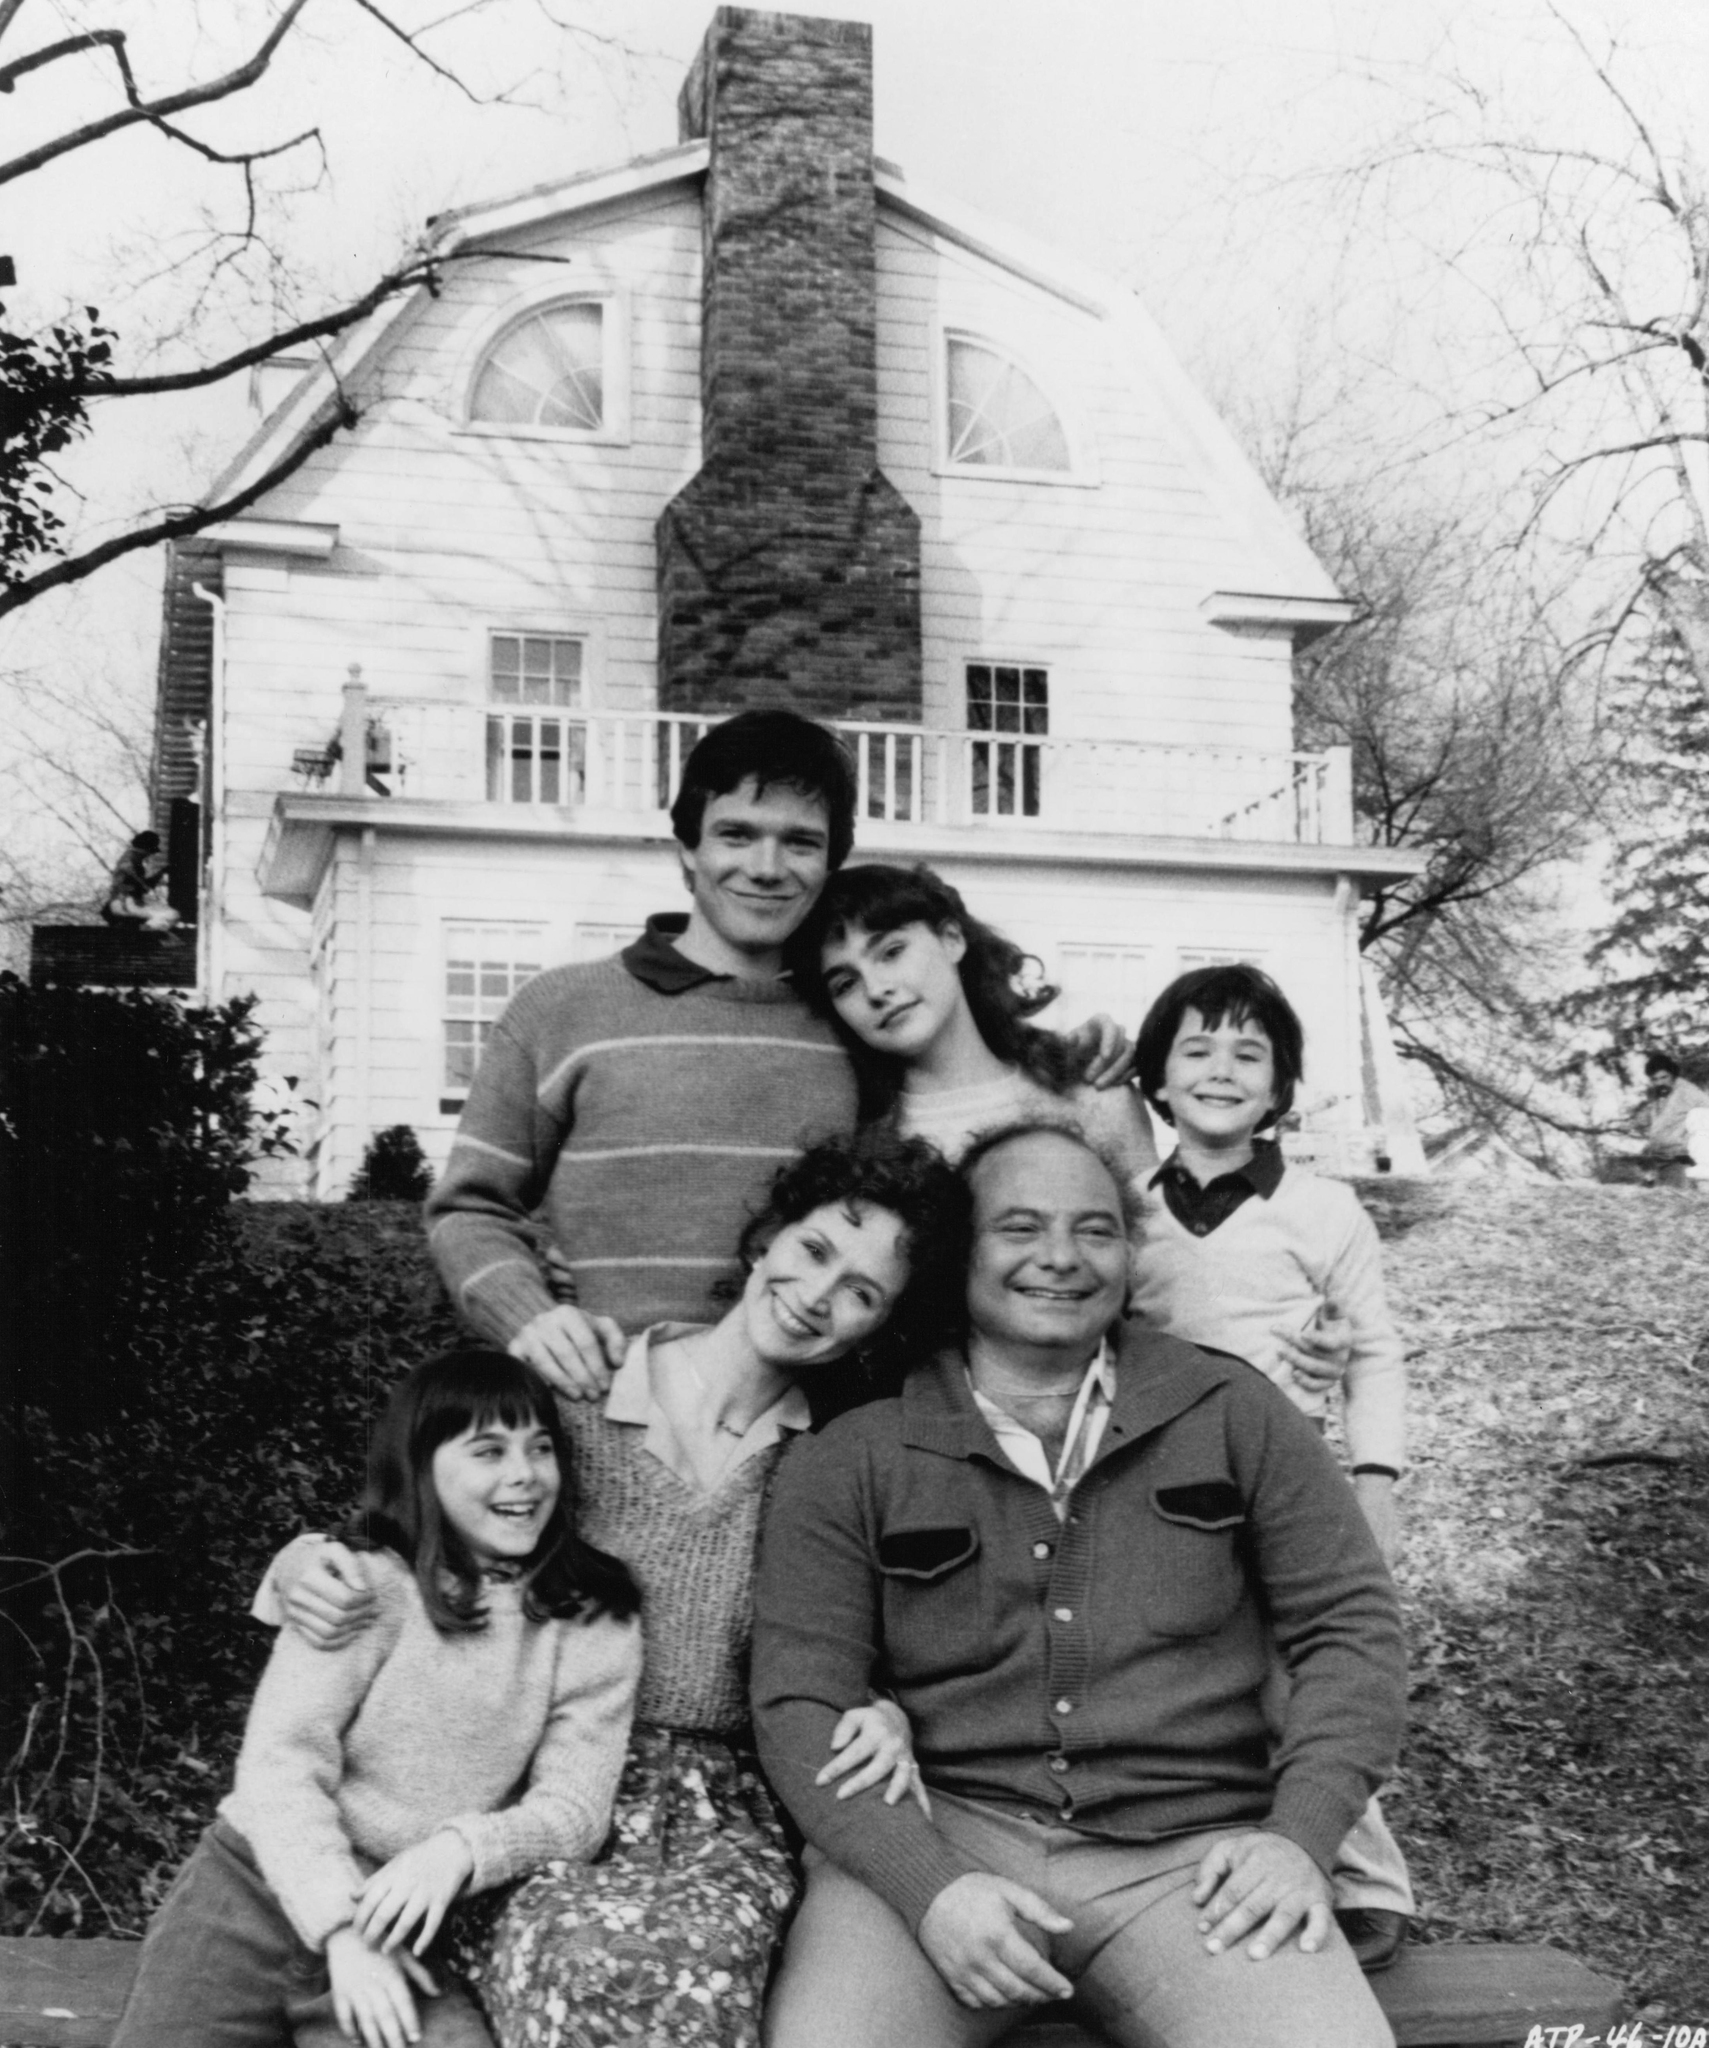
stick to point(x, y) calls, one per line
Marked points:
point(126, 1126)
point(394, 1168)
point(131, 1656)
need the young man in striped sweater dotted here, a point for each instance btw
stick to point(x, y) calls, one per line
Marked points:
point(640, 1103)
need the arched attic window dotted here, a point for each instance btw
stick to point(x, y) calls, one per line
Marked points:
point(547, 370)
point(998, 418)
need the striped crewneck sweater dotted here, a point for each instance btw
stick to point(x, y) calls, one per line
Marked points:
point(642, 1126)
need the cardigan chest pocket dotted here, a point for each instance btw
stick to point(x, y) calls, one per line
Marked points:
point(1194, 1576)
point(932, 1605)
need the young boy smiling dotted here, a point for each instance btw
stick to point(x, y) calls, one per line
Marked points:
point(1241, 1252)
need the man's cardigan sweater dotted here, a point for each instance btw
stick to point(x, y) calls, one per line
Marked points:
point(354, 1754)
point(1269, 1267)
point(1106, 1672)
point(642, 1118)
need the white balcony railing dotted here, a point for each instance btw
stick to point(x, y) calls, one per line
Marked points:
point(628, 763)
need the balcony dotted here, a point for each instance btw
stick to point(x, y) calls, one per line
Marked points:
point(603, 766)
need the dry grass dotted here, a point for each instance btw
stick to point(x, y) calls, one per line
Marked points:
point(1556, 1784)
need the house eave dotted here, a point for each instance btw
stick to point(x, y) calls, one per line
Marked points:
point(291, 537)
point(1306, 618)
point(303, 830)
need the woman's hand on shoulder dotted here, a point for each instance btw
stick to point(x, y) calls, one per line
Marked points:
point(873, 1745)
point(413, 1892)
point(328, 1595)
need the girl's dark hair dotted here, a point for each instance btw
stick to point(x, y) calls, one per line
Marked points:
point(879, 1169)
point(1236, 994)
point(876, 898)
point(461, 1390)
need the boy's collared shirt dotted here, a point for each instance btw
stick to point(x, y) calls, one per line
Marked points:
point(1204, 1207)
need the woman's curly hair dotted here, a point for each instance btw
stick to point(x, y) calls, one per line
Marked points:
point(879, 1169)
point(876, 898)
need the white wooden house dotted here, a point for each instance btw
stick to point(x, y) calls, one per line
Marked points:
point(970, 509)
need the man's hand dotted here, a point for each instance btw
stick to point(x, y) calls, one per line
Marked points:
point(573, 1353)
point(370, 1992)
point(1106, 1048)
point(974, 1936)
point(1317, 1356)
point(873, 1743)
point(1263, 1881)
point(325, 1594)
point(1375, 1494)
point(413, 1891)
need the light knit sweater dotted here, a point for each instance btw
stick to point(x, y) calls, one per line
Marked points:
point(354, 1754)
point(951, 1118)
point(643, 1126)
point(1269, 1268)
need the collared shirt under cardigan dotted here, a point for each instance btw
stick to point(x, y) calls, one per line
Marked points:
point(639, 1104)
point(1108, 1671)
point(1260, 1251)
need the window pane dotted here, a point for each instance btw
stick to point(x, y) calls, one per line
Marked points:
point(546, 371)
point(998, 416)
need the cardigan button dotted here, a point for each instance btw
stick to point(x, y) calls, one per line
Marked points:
point(1065, 1706)
point(1065, 1614)
point(1041, 1550)
point(1059, 1764)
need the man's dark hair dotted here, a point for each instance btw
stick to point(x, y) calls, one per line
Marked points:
point(1237, 994)
point(770, 747)
point(146, 842)
point(1657, 1063)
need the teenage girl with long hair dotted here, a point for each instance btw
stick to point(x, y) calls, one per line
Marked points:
point(935, 1008)
point(375, 1784)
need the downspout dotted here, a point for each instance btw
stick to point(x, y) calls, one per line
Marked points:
point(364, 992)
point(210, 936)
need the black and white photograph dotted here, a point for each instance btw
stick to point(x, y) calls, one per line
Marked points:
point(854, 1024)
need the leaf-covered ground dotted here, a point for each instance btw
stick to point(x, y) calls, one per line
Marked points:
point(1556, 1783)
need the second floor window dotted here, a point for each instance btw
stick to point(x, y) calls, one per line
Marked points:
point(998, 418)
point(535, 668)
point(1008, 704)
point(546, 371)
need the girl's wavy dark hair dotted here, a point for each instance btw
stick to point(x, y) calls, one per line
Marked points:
point(879, 1169)
point(460, 1390)
point(876, 898)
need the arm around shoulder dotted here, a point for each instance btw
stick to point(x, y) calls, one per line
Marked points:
point(1375, 1386)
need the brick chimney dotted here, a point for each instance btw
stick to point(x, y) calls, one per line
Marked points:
point(789, 568)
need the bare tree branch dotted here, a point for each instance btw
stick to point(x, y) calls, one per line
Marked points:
point(179, 525)
point(156, 112)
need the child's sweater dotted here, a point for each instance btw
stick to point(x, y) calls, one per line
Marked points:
point(354, 1754)
point(1268, 1268)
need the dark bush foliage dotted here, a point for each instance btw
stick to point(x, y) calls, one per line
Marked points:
point(126, 1127)
point(394, 1168)
point(130, 1657)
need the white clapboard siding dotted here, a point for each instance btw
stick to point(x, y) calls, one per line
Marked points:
point(1100, 581)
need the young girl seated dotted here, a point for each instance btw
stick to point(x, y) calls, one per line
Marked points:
point(932, 1006)
point(376, 1781)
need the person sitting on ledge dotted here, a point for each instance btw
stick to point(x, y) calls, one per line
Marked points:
point(132, 892)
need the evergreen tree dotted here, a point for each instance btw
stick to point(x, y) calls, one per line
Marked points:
point(1653, 959)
